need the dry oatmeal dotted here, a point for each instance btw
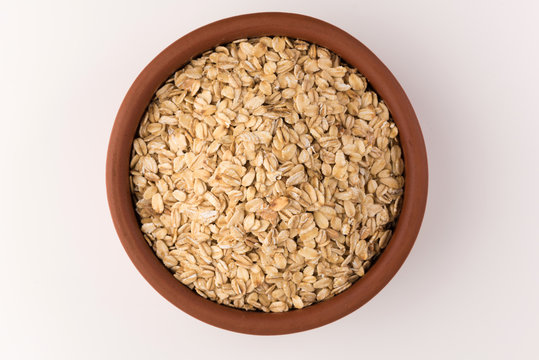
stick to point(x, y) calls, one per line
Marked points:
point(267, 175)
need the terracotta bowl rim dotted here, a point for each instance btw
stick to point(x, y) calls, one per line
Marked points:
point(220, 32)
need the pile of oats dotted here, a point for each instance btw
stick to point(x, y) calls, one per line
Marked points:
point(267, 175)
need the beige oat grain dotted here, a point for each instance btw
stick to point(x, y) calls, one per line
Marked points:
point(267, 174)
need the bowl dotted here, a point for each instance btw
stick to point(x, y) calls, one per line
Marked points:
point(224, 31)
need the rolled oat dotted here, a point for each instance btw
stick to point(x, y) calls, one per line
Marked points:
point(267, 175)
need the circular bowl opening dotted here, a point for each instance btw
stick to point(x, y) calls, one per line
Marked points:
point(224, 31)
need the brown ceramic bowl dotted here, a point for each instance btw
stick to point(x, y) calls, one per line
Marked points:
point(221, 32)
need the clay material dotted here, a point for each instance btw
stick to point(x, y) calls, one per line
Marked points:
point(221, 32)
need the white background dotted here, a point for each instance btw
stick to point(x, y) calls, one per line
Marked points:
point(469, 289)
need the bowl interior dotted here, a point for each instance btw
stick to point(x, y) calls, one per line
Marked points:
point(224, 31)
